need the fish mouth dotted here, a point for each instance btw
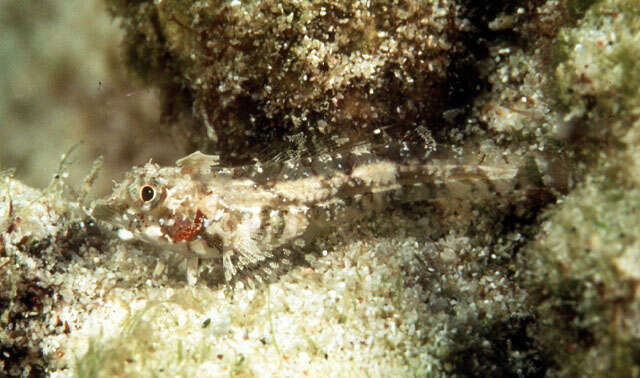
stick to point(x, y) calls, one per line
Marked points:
point(117, 215)
point(104, 211)
point(129, 227)
point(168, 231)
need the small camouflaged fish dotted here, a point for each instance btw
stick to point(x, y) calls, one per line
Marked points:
point(252, 218)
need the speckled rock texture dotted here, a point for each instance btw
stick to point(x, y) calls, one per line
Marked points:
point(254, 72)
point(536, 280)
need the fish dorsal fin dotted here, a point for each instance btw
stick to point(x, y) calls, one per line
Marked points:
point(198, 162)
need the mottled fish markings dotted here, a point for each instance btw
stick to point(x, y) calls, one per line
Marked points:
point(253, 217)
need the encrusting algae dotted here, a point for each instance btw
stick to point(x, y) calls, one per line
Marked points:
point(533, 274)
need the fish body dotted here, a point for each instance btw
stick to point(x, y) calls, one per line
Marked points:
point(253, 217)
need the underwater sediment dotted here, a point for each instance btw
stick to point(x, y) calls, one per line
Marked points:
point(538, 282)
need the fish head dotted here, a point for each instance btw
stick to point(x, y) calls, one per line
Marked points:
point(154, 204)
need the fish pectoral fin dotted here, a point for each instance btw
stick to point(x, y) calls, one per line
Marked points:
point(228, 266)
point(192, 270)
point(241, 254)
point(203, 249)
point(249, 252)
point(159, 269)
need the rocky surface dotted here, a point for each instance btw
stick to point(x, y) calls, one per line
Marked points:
point(539, 283)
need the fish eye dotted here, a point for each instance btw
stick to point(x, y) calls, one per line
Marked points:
point(147, 193)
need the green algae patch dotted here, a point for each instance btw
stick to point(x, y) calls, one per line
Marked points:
point(153, 340)
point(584, 270)
point(596, 80)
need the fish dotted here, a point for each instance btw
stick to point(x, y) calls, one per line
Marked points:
point(257, 217)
